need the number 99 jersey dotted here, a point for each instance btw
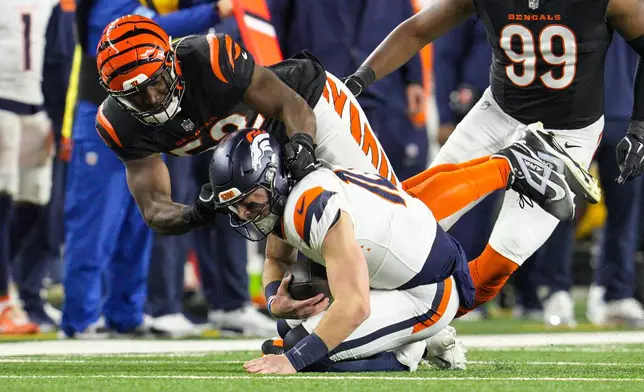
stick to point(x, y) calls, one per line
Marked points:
point(548, 62)
point(23, 25)
point(395, 231)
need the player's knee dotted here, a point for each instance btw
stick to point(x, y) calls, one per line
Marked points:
point(294, 336)
point(8, 182)
point(35, 185)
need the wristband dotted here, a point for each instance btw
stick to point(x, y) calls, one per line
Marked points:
point(189, 216)
point(366, 74)
point(268, 306)
point(307, 351)
point(271, 289)
point(305, 140)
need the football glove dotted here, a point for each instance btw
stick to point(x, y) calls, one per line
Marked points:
point(203, 211)
point(299, 156)
point(360, 80)
point(630, 153)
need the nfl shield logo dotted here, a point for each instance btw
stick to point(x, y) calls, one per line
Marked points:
point(533, 4)
point(187, 125)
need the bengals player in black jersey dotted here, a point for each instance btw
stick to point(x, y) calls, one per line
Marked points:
point(547, 73)
point(183, 97)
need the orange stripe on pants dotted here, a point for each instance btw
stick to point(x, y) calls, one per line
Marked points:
point(438, 313)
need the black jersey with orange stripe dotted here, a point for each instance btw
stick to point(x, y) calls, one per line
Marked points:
point(548, 62)
point(217, 71)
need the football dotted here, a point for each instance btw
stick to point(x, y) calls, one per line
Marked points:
point(309, 279)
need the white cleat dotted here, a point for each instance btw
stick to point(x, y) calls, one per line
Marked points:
point(558, 310)
point(175, 326)
point(244, 321)
point(627, 311)
point(445, 351)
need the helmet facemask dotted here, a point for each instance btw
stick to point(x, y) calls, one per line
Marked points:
point(134, 96)
point(261, 224)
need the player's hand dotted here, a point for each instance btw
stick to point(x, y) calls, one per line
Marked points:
point(359, 80)
point(415, 99)
point(299, 156)
point(630, 153)
point(203, 211)
point(270, 364)
point(284, 306)
point(354, 84)
point(225, 8)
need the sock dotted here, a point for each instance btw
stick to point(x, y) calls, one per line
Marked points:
point(445, 167)
point(383, 362)
point(489, 273)
point(24, 218)
point(283, 328)
point(5, 210)
point(447, 192)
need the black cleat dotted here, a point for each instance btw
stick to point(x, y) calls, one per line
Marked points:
point(273, 346)
point(547, 147)
point(537, 181)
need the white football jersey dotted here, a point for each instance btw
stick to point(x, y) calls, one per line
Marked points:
point(23, 25)
point(394, 230)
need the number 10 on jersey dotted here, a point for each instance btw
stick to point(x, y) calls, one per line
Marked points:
point(527, 57)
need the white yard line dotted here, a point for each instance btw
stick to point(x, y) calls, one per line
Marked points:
point(297, 378)
point(556, 363)
point(487, 342)
point(599, 349)
point(98, 360)
point(119, 362)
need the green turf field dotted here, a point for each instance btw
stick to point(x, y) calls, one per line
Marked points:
point(588, 368)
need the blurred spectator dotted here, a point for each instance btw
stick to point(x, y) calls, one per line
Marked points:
point(26, 145)
point(35, 253)
point(611, 296)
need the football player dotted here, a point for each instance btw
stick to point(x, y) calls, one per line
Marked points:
point(26, 139)
point(396, 277)
point(183, 97)
point(548, 66)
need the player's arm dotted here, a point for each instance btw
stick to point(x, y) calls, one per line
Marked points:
point(408, 38)
point(348, 279)
point(279, 256)
point(149, 182)
point(627, 17)
point(271, 97)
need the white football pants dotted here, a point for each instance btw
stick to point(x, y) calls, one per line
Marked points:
point(519, 231)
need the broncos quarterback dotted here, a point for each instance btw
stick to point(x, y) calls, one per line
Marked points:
point(183, 97)
point(396, 277)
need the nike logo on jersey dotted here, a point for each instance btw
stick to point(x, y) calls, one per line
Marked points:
point(568, 145)
point(301, 208)
point(244, 55)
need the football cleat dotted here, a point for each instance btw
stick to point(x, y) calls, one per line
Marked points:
point(445, 351)
point(273, 346)
point(580, 181)
point(537, 182)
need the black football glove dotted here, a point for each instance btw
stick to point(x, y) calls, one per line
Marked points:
point(203, 211)
point(360, 80)
point(299, 156)
point(630, 153)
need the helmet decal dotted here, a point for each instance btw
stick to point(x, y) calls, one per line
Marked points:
point(260, 145)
